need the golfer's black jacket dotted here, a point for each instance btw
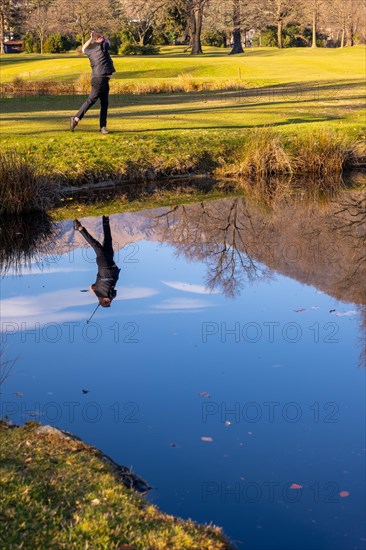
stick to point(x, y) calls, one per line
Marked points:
point(100, 59)
point(104, 286)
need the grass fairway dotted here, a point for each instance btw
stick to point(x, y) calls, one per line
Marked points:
point(264, 66)
point(297, 92)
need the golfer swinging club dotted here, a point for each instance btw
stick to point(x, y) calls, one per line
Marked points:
point(108, 271)
point(97, 49)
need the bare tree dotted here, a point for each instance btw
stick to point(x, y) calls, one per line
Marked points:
point(83, 16)
point(311, 12)
point(144, 15)
point(39, 20)
point(279, 12)
point(237, 29)
point(195, 10)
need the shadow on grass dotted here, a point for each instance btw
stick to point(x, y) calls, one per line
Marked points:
point(293, 91)
point(152, 131)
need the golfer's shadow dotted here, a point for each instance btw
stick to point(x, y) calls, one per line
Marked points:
point(108, 271)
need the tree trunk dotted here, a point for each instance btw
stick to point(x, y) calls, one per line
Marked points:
point(196, 28)
point(237, 46)
point(351, 34)
point(313, 44)
point(279, 33)
point(2, 34)
point(343, 37)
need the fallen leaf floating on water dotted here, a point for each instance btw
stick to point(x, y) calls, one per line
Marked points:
point(19, 394)
point(344, 494)
point(85, 391)
point(204, 394)
point(299, 310)
point(227, 423)
point(295, 486)
point(173, 445)
point(206, 439)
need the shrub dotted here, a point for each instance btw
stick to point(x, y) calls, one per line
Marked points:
point(214, 38)
point(57, 43)
point(115, 41)
point(31, 44)
point(292, 37)
point(129, 48)
point(269, 37)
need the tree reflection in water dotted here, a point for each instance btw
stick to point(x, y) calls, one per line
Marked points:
point(242, 241)
point(25, 239)
point(216, 234)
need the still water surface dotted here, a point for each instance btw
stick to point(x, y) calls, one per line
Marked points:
point(228, 371)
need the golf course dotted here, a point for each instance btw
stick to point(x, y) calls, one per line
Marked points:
point(174, 114)
point(225, 195)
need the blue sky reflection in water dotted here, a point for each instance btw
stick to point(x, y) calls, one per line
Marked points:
point(231, 324)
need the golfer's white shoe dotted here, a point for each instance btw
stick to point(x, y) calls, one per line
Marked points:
point(73, 123)
point(104, 130)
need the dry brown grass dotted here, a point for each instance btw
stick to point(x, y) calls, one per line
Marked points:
point(184, 83)
point(22, 189)
point(321, 157)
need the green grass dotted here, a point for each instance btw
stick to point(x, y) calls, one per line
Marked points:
point(260, 65)
point(166, 134)
point(58, 493)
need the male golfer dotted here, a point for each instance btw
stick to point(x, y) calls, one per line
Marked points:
point(108, 271)
point(97, 49)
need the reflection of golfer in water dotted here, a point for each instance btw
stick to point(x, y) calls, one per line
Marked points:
point(108, 272)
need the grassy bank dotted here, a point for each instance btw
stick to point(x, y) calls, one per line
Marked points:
point(60, 493)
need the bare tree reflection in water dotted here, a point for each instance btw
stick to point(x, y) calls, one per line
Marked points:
point(350, 221)
point(243, 240)
point(25, 239)
point(216, 234)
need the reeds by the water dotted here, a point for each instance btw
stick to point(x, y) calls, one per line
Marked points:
point(22, 188)
point(323, 156)
point(183, 83)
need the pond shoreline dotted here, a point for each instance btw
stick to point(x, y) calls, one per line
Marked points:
point(116, 197)
point(51, 462)
point(38, 178)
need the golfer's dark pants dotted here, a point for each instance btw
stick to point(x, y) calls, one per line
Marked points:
point(104, 252)
point(100, 90)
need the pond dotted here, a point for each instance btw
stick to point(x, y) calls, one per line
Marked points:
point(228, 371)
